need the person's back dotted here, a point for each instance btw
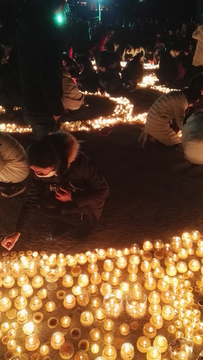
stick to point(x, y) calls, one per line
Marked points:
point(192, 138)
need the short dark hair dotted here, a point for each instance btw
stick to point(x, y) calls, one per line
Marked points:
point(192, 95)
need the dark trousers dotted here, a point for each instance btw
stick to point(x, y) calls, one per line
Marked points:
point(69, 212)
point(42, 123)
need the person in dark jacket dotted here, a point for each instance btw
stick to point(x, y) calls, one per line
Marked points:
point(66, 185)
point(40, 49)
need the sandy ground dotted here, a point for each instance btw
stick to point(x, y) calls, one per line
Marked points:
point(146, 200)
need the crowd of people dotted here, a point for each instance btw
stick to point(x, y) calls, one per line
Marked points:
point(44, 71)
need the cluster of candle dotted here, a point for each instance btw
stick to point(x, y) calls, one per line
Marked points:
point(161, 282)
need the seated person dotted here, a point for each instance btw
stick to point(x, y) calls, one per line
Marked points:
point(13, 166)
point(66, 185)
point(133, 72)
point(72, 97)
point(170, 67)
point(166, 115)
point(87, 78)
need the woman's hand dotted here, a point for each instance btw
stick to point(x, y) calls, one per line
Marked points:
point(63, 195)
point(9, 241)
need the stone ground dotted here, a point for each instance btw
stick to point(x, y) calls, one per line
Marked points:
point(146, 200)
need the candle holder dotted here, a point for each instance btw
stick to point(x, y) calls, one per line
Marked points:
point(136, 308)
point(75, 333)
point(65, 321)
point(32, 342)
point(57, 340)
point(109, 352)
point(66, 351)
point(127, 351)
point(181, 349)
point(52, 277)
point(143, 344)
point(86, 319)
point(112, 305)
point(153, 353)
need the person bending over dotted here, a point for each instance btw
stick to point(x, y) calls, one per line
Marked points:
point(66, 186)
point(165, 117)
point(13, 166)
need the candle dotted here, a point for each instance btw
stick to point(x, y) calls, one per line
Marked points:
point(86, 319)
point(132, 277)
point(61, 270)
point(31, 271)
point(35, 303)
point(195, 235)
point(65, 321)
point(158, 244)
point(42, 293)
point(154, 297)
point(66, 350)
point(75, 333)
point(194, 265)
point(11, 314)
point(168, 312)
point(83, 345)
point(134, 259)
point(124, 286)
point(61, 260)
point(105, 275)
point(109, 352)
point(153, 353)
point(112, 305)
point(37, 282)
point(11, 333)
point(61, 294)
point(92, 289)
point(94, 348)
point(95, 302)
point(157, 321)
point(161, 343)
point(182, 254)
point(166, 297)
point(69, 301)
point(149, 330)
point(82, 259)
point(83, 298)
point(26, 290)
point(71, 260)
point(11, 344)
point(111, 252)
point(114, 281)
point(5, 326)
point(154, 309)
point(127, 351)
point(38, 317)
point(155, 263)
point(44, 350)
point(181, 266)
point(81, 355)
point(76, 290)
point(159, 273)
point(8, 281)
point(132, 269)
point(171, 270)
point(105, 289)
point(28, 328)
point(5, 304)
point(83, 280)
point(95, 334)
point(108, 324)
point(57, 340)
point(32, 342)
point(150, 284)
point(95, 278)
point(22, 316)
point(124, 329)
point(52, 322)
point(76, 270)
point(100, 314)
point(162, 285)
point(52, 277)
point(50, 306)
point(91, 257)
point(145, 266)
point(108, 265)
point(101, 254)
point(147, 245)
point(143, 344)
point(121, 263)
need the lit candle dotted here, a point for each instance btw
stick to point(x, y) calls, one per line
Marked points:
point(154, 297)
point(44, 350)
point(76, 290)
point(108, 265)
point(81, 355)
point(143, 344)
point(168, 312)
point(124, 286)
point(32, 342)
point(8, 281)
point(105, 275)
point(31, 271)
point(108, 324)
point(28, 328)
point(124, 329)
point(95, 334)
point(159, 273)
point(83, 298)
point(95, 278)
point(42, 293)
point(111, 252)
point(161, 343)
point(13, 293)
point(166, 297)
point(35, 303)
point(127, 351)
point(194, 265)
point(155, 263)
point(150, 284)
point(101, 254)
point(61, 270)
point(37, 282)
point(109, 352)
point(82, 259)
point(157, 321)
point(69, 301)
point(5, 327)
point(57, 340)
point(65, 321)
point(92, 289)
point(95, 302)
point(195, 235)
point(162, 285)
point(5, 304)
point(50, 306)
point(153, 353)
point(71, 260)
point(86, 318)
point(26, 290)
point(100, 314)
point(22, 316)
point(149, 330)
point(181, 266)
point(105, 289)
point(83, 280)
point(20, 303)
point(145, 266)
point(147, 245)
point(121, 263)
point(94, 348)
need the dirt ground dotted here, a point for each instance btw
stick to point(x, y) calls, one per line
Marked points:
point(146, 200)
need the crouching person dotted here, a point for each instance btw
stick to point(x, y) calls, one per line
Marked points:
point(13, 166)
point(66, 185)
point(72, 97)
point(166, 115)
